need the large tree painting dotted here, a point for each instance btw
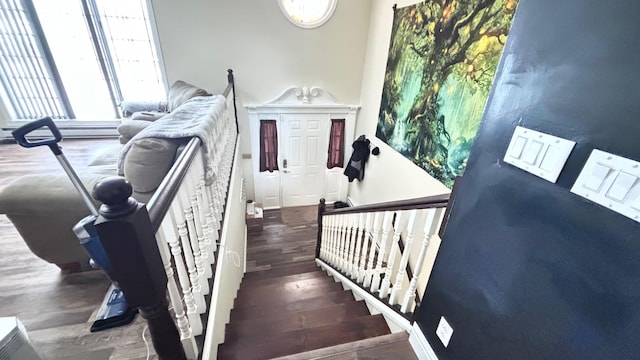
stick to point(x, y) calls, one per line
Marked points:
point(442, 60)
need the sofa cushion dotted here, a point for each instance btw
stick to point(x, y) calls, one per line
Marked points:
point(148, 161)
point(107, 155)
point(129, 128)
point(147, 115)
point(180, 92)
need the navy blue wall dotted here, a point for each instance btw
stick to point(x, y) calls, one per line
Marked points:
point(528, 270)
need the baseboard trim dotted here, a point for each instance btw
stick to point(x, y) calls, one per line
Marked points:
point(420, 345)
point(389, 314)
point(350, 201)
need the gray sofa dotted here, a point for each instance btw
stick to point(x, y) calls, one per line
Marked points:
point(44, 208)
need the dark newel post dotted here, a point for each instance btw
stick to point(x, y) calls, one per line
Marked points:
point(129, 241)
point(231, 80)
point(321, 209)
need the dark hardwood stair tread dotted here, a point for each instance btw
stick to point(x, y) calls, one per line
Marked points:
point(391, 346)
point(286, 284)
point(252, 282)
point(276, 311)
point(271, 295)
point(331, 314)
point(282, 270)
point(292, 342)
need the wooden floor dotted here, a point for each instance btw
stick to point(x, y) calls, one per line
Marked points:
point(287, 305)
point(55, 307)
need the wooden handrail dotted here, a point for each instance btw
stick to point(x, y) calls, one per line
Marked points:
point(166, 192)
point(426, 202)
point(168, 188)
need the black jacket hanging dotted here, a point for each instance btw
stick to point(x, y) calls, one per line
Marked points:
point(355, 166)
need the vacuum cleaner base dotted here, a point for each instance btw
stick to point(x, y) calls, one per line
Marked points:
point(113, 311)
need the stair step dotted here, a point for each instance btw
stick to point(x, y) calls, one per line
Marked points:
point(252, 282)
point(285, 284)
point(391, 346)
point(277, 311)
point(331, 314)
point(276, 294)
point(292, 342)
point(282, 270)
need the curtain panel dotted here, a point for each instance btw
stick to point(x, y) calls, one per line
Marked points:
point(336, 144)
point(268, 145)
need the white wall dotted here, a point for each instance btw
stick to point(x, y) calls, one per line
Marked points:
point(200, 39)
point(388, 176)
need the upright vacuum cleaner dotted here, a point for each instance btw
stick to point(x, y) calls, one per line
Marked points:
point(114, 310)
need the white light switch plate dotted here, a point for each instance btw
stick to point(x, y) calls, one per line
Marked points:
point(444, 331)
point(611, 181)
point(538, 153)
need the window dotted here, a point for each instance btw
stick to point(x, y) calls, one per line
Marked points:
point(76, 59)
point(268, 145)
point(308, 13)
point(335, 156)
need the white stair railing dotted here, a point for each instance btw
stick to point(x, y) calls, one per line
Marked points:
point(374, 247)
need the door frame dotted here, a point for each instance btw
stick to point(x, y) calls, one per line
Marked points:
point(295, 100)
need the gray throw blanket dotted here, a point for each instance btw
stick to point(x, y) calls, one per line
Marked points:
point(196, 117)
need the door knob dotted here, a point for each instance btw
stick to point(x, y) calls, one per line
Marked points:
point(284, 163)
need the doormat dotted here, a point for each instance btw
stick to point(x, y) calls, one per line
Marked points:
point(300, 215)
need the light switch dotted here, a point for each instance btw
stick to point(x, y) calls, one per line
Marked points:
point(611, 181)
point(518, 146)
point(551, 158)
point(598, 174)
point(538, 153)
point(531, 152)
point(636, 203)
point(621, 186)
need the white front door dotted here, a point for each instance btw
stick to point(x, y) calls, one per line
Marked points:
point(304, 156)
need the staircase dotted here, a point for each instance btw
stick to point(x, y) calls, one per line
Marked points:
point(286, 304)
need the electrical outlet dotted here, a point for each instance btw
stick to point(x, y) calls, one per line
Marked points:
point(444, 331)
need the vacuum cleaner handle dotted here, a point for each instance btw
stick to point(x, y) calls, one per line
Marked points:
point(52, 142)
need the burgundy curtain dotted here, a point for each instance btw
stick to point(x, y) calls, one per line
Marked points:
point(268, 145)
point(336, 144)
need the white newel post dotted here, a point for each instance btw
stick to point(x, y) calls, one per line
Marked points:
point(386, 227)
point(395, 292)
point(397, 231)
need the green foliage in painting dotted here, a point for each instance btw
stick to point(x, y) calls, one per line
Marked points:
point(442, 60)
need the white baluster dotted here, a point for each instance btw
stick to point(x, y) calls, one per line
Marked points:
point(386, 227)
point(335, 235)
point(430, 228)
point(324, 240)
point(191, 248)
point(368, 272)
point(186, 335)
point(342, 253)
point(203, 209)
point(183, 275)
point(356, 258)
point(395, 292)
point(397, 231)
point(199, 246)
point(365, 243)
point(352, 218)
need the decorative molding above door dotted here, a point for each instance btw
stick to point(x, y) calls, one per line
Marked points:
point(295, 98)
